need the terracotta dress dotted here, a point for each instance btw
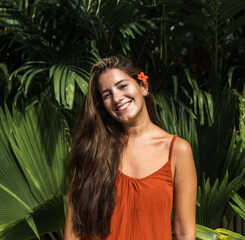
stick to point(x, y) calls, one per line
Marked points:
point(143, 206)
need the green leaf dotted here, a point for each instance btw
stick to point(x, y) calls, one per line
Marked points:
point(24, 68)
point(47, 217)
point(51, 71)
point(31, 76)
point(229, 234)
point(63, 85)
point(57, 79)
point(205, 233)
point(41, 160)
point(32, 225)
point(14, 190)
point(4, 68)
point(70, 90)
point(175, 81)
point(81, 82)
point(23, 78)
point(200, 105)
point(230, 74)
point(212, 206)
point(240, 207)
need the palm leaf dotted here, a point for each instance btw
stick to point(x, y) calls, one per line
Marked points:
point(217, 138)
point(240, 207)
point(213, 200)
point(234, 160)
point(14, 190)
point(45, 218)
point(229, 235)
point(32, 179)
point(205, 233)
point(41, 161)
point(64, 78)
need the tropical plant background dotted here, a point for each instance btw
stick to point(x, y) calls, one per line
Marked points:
point(194, 53)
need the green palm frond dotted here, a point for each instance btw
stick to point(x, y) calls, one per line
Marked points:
point(213, 200)
point(204, 233)
point(229, 235)
point(234, 160)
point(217, 13)
point(34, 146)
point(4, 69)
point(240, 204)
point(6, 86)
point(14, 190)
point(31, 70)
point(64, 79)
point(45, 218)
point(202, 101)
point(39, 151)
point(215, 140)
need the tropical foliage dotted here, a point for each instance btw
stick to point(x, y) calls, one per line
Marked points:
point(194, 54)
point(33, 148)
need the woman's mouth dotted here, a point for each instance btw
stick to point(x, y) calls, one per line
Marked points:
point(122, 107)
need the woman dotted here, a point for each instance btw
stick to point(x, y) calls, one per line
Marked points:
point(124, 171)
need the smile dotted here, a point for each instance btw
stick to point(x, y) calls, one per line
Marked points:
point(123, 106)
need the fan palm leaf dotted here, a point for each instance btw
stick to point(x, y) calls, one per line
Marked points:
point(240, 204)
point(64, 79)
point(44, 218)
point(32, 181)
point(213, 200)
point(14, 190)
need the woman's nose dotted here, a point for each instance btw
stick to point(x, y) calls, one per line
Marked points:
point(117, 97)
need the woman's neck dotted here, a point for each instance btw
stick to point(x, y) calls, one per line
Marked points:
point(138, 129)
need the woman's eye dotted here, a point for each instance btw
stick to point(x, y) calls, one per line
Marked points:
point(123, 86)
point(107, 95)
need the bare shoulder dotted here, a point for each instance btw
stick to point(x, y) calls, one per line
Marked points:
point(182, 157)
point(182, 147)
point(183, 161)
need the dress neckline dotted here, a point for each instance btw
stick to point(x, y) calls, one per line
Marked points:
point(120, 173)
point(146, 177)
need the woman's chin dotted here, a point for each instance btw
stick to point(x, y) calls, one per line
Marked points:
point(127, 120)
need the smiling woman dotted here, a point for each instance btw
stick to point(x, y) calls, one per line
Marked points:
point(122, 96)
point(125, 173)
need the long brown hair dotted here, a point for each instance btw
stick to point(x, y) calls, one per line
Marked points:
point(94, 158)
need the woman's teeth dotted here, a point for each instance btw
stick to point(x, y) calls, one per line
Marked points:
point(123, 106)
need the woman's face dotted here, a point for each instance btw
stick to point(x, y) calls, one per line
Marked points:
point(122, 96)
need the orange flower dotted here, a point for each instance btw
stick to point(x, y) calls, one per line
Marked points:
point(142, 77)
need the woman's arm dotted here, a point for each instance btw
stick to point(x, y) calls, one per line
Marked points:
point(185, 190)
point(69, 235)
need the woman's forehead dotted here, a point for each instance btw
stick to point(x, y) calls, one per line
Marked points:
point(111, 78)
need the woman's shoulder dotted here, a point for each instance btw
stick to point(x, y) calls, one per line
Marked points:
point(182, 154)
point(182, 147)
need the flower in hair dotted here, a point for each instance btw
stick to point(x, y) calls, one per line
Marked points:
point(142, 77)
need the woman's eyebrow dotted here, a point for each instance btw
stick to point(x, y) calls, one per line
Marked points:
point(120, 82)
point(117, 83)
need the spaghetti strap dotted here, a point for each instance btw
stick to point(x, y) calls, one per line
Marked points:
point(171, 147)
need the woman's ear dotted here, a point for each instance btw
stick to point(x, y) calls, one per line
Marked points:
point(144, 88)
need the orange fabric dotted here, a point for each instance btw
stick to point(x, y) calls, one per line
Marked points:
point(143, 206)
